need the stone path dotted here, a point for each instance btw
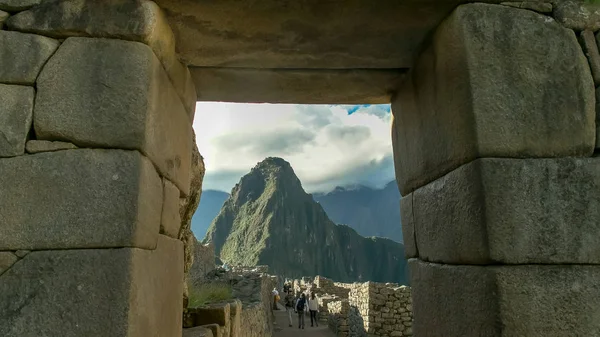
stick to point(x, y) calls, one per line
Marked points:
point(283, 330)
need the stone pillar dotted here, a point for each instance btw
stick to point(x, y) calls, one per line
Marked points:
point(95, 152)
point(494, 134)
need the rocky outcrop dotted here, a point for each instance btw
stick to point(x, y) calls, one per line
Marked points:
point(270, 220)
point(187, 208)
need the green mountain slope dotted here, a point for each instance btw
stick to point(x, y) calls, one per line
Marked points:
point(270, 219)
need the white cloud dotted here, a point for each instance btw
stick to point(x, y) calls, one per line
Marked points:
point(325, 145)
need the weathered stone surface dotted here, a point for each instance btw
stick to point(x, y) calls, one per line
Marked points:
point(590, 48)
point(468, 96)
point(216, 313)
point(141, 21)
point(235, 311)
point(16, 114)
point(18, 5)
point(170, 219)
point(3, 17)
point(197, 332)
point(360, 86)
point(128, 104)
point(23, 56)
point(79, 199)
point(7, 259)
point(126, 292)
point(541, 7)
point(531, 300)
point(36, 146)
point(299, 35)
point(187, 208)
point(577, 15)
point(214, 328)
point(408, 226)
point(511, 211)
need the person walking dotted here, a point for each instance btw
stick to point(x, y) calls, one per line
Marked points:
point(313, 307)
point(289, 305)
point(300, 308)
point(275, 294)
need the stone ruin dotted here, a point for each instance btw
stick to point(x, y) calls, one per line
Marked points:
point(248, 314)
point(494, 136)
point(362, 309)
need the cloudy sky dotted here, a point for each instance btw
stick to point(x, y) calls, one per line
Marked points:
point(327, 145)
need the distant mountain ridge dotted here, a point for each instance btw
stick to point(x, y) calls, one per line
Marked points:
point(210, 205)
point(270, 219)
point(371, 212)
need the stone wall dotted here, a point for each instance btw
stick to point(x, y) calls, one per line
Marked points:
point(204, 262)
point(250, 315)
point(95, 153)
point(498, 212)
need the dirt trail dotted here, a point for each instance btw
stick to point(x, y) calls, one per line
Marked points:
point(282, 328)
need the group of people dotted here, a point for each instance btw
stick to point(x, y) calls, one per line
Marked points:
point(298, 304)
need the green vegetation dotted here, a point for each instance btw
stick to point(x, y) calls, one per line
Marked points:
point(208, 293)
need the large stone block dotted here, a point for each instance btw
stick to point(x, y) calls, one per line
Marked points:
point(506, 301)
point(128, 103)
point(125, 292)
point(79, 199)
point(511, 211)
point(495, 81)
point(17, 5)
point(322, 86)
point(23, 56)
point(16, 114)
point(141, 21)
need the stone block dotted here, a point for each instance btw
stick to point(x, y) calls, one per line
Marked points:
point(408, 226)
point(3, 17)
point(18, 5)
point(590, 48)
point(125, 292)
point(527, 300)
point(141, 21)
point(577, 15)
point(79, 199)
point(482, 89)
point(170, 219)
point(16, 114)
point(511, 211)
point(129, 103)
point(197, 332)
point(211, 314)
point(322, 86)
point(235, 311)
point(7, 259)
point(23, 56)
point(36, 146)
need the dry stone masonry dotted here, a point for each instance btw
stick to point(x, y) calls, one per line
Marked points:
point(495, 149)
point(494, 133)
point(248, 315)
point(95, 153)
point(362, 309)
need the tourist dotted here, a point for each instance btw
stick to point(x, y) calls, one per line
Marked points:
point(313, 307)
point(275, 294)
point(289, 305)
point(300, 308)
